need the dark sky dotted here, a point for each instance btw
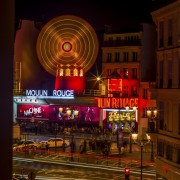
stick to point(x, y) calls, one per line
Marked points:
point(115, 13)
point(118, 14)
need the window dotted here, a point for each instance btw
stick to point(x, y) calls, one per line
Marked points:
point(169, 152)
point(125, 91)
point(170, 64)
point(169, 32)
point(134, 73)
point(161, 149)
point(117, 57)
point(178, 156)
point(81, 72)
point(125, 70)
point(61, 72)
point(118, 39)
point(109, 56)
point(75, 72)
point(161, 72)
point(68, 72)
point(145, 93)
point(125, 54)
point(134, 56)
point(134, 90)
point(161, 34)
point(109, 71)
point(144, 112)
point(161, 115)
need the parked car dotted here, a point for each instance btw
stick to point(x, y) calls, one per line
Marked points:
point(54, 142)
point(18, 177)
point(28, 144)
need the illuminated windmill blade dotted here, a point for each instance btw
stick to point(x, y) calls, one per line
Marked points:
point(67, 48)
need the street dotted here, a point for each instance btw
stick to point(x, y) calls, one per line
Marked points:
point(59, 171)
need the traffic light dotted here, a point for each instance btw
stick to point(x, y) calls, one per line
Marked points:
point(127, 172)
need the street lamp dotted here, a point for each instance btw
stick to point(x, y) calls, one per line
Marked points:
point(152, 115)
point(140, 143)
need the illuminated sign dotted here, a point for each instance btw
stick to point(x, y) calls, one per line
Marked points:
point(116, 102)
point(121, 116)
point(52, 95)
point(115, 84)
point(33, 110)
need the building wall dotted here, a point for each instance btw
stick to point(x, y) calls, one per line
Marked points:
point(167, 20)
point(134, 53)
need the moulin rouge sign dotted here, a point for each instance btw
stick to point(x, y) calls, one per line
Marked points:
point(50, 94)
point(117, 102)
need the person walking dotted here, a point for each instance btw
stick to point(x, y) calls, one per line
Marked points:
point(47, 148)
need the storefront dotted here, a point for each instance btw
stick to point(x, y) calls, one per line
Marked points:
point(116, 115)
point(42, 106)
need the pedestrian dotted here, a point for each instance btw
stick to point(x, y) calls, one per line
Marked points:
point(73, 147)
point(47, 147)
point(93, 144)
point(125, 145)
point(90, 144)
point(85, 146)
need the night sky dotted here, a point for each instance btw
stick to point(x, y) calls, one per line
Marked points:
point(115, 13)
point(118, 15)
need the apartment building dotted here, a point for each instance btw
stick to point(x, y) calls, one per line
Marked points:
point(126, 63)
point(167, 93)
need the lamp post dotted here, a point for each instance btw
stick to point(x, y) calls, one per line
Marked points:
point(70, 113)
point(140, 143)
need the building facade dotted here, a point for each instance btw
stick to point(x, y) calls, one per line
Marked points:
point(167, 93)
point(122, 59)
